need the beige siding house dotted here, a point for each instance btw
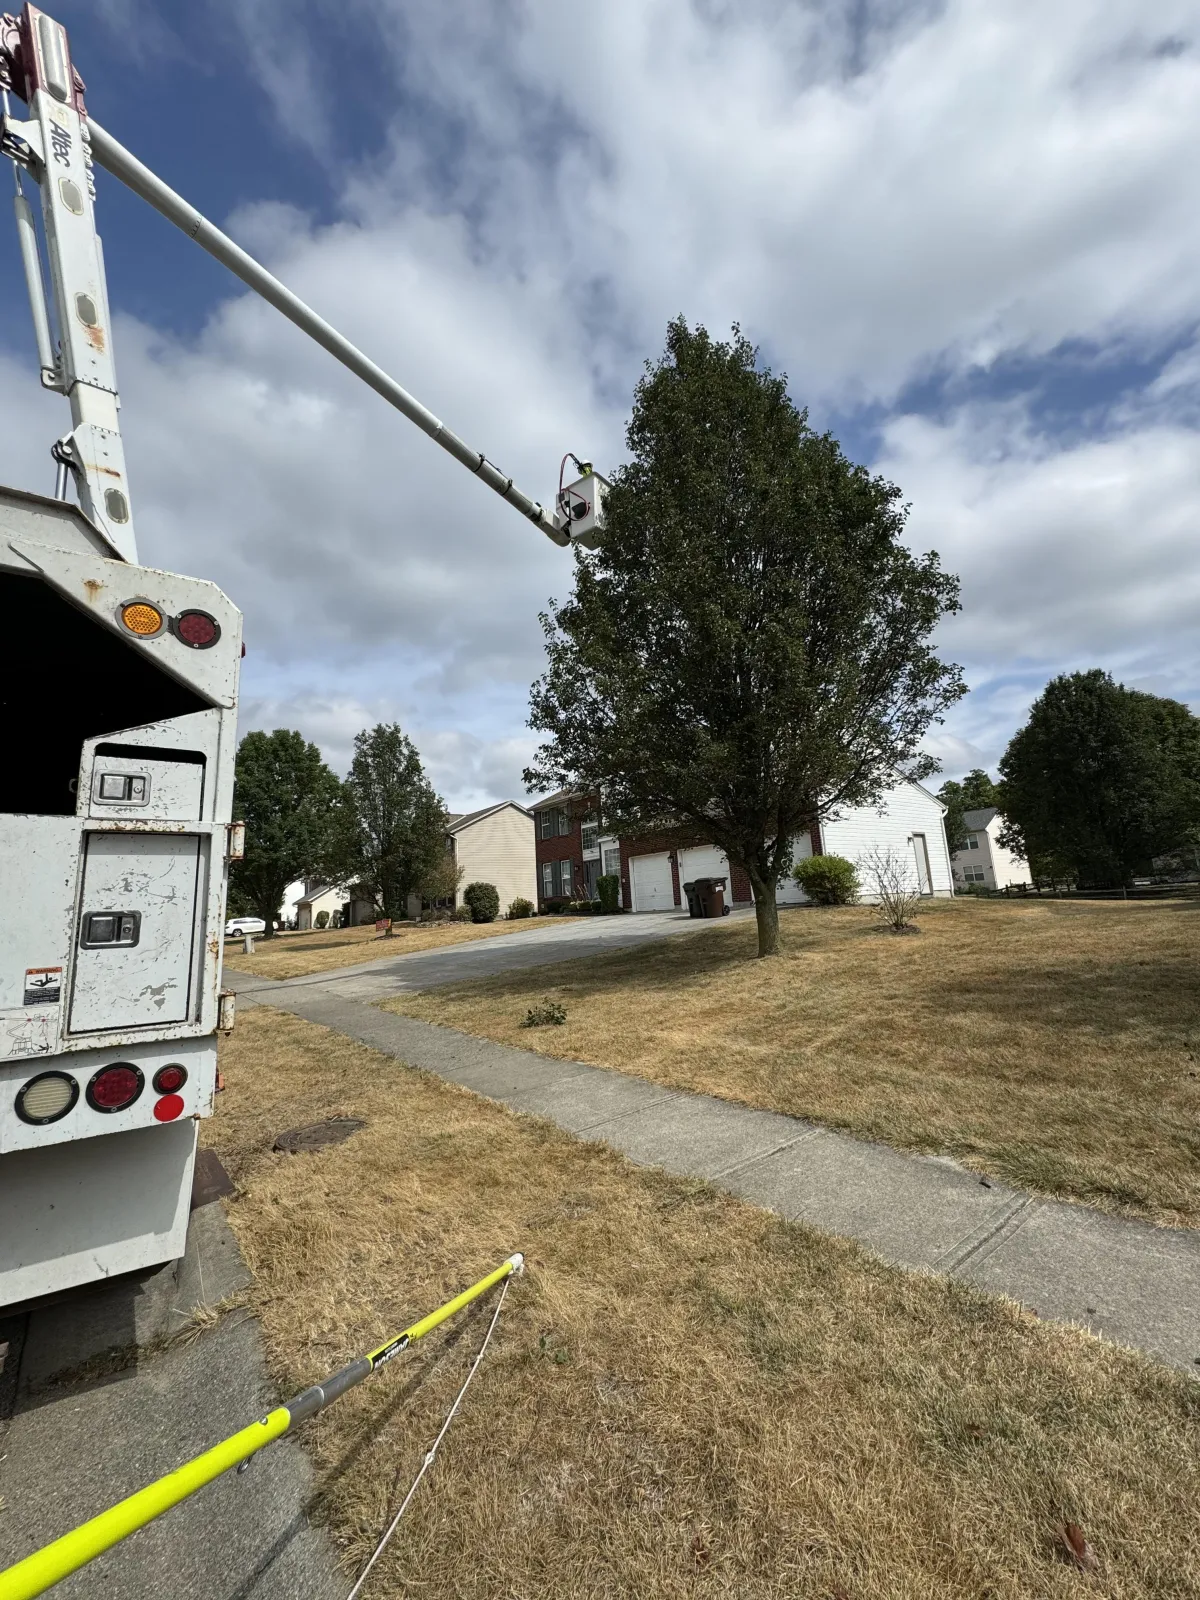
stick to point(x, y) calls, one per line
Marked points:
point(985, 860)
point(495, 845)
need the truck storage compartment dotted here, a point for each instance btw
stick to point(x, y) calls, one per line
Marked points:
point(136, 934)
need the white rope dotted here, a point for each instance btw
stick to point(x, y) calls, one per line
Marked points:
point(433, 1449)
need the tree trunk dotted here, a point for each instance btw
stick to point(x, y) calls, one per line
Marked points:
point(766, 914)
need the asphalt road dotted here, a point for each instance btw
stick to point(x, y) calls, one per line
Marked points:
point(429, 969)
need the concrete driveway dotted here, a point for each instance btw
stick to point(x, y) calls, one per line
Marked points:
point(429, 969)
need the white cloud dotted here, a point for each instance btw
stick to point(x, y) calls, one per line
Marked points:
point(933, 189)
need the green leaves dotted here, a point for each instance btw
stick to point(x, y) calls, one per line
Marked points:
point(1101, 779)
point(288, 798)
point(393, 824)
point(749, 649)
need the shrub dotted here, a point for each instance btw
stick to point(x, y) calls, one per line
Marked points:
point(549, 1014)
point(463, 914)
point(609, 889)
point(827, 880)
point(583, 908)
point(520, 908)
point(555, 907)
point(483, 900)
point(322, 919)
point(894, 880)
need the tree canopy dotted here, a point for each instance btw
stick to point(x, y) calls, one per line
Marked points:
point(288, 798)
point(1101, 779)
point(974, 793)
point(750, 648)
point(393, 828)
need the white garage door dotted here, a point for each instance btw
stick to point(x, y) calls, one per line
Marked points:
point(705, 861)
point(650, 881)
point(789, 892)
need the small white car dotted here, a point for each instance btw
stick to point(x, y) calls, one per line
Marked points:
point(236, 927)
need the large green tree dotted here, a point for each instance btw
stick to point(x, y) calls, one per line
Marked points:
point(749, 648)
point(393, 831)
point(974, 793)
point(288, 798)
point(1101, 778)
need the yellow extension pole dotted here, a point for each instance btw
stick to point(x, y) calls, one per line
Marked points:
point(48, 1566)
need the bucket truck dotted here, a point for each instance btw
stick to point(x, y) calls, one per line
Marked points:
point(118, 719)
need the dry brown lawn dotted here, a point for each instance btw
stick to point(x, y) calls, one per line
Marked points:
point(1051, 1044)
point(298, 955)
point(686, 1396)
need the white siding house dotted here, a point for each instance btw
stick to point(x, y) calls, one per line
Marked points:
point(495, 845)
point(985, 860)
point(908, 820)
point(323, 897)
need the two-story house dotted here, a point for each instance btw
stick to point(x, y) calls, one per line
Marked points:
point(984, 860)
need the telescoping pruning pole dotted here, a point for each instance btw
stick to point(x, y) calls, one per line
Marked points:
point(50, 1565)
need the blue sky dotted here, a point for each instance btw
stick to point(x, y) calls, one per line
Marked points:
point(968, 233)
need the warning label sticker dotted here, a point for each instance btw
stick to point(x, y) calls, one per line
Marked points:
point(43, 986)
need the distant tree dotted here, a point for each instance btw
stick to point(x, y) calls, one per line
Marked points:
point(442, 880)
point(974, 793)
point(288, 798)
point(749, 648)
point(1101, 779)
point(393, 824)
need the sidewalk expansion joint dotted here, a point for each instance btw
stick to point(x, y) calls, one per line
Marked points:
point(995, 1235)
point(765, 1155)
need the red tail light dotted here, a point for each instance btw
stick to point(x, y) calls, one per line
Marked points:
point(113, 1088)
point(167, 1080)
point(196, 629)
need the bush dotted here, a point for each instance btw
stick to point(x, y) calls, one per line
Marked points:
point(609, 889)
point(483, 900)
point(463, 914)
point(583, 908)
point(549, 1014)
point(827, 880)
point(893, 877)
point(555, 907)
point(322, 919)
point(520, 908)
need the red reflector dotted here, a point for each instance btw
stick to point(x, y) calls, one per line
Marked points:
point(168, 1108)
point(168, 1079)
point(197, 629)
point(113, 1088)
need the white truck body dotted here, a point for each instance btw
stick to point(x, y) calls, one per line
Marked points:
point(114, 840)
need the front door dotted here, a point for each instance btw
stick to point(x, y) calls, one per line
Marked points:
point(921, 852)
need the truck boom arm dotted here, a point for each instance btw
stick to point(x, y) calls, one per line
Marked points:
point(114, 158)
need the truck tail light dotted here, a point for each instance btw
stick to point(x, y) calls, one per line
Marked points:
point(169, 1079)
point(168, 1108)
point(47, 1098)
point(116, 1087)
point(196, 629)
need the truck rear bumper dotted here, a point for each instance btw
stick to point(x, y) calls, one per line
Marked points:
point(92, 1208)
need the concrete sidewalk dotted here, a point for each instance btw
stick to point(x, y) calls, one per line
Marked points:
point(1129, 1281)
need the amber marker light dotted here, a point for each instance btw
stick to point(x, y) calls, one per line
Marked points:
point(141, 618)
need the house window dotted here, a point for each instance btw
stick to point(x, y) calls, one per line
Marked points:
point(612, 860)
point(546, 824)
point(547, 880)
point(972, 841)
point(564, 822)
point(975, 875)
point(591, 833)
point(566, 879)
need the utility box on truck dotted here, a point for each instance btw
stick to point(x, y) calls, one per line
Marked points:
point(118, 708)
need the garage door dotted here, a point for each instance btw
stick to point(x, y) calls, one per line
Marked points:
point(650, 881)
point(705, 861)
point(789, 892)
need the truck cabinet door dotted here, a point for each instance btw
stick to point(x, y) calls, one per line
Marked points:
point(136, 933)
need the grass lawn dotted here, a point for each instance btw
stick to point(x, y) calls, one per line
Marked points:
point(1052, 1044)
point(685, 1396)
point(297, 955)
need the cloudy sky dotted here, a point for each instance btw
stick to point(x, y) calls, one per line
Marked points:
point(969, 233)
